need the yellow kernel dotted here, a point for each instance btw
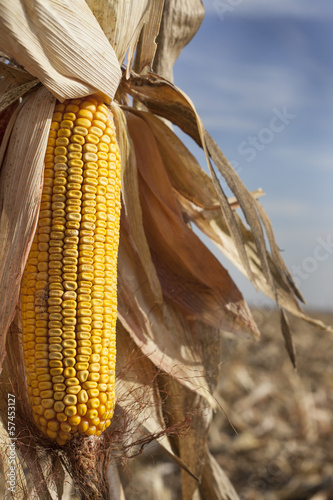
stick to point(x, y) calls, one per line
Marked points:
point(70, 399)
point(51, 434)
point(83, 425)
point(91, 414)
point(48, 403)
point(65, 427)
point(74, 420)
point(73, 389)
point(70, 411)
point(71, 381)
point(83, 122)
point(53, 425)
point(91, 431)
point(69, 372)
point(49, 414)
point(82, 409)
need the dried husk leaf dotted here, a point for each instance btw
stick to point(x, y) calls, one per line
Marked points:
point(131, 201)
point(190, 275)
point(156, 329)
point(196, 194)
point(67, 52)
point(215, 484)
point(137, 392)
point(6, 119)
point(13, 380)
point(192, 447)
point(15, 93)
point(15, 75)
point(10, 459)
point(162, 98)
point(21, 178)
point(122, 23)
point(180, 22)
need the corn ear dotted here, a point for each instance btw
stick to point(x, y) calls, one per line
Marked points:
point(68, 295)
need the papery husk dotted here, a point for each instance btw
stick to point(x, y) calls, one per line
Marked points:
point(189, 274)
point(67, 52)
point(131, 202)
point(200, 196)
point(138, 394)
point(180, 22)
point(21, 177)
point(156, 329)
point(124, 22)
point(192, 447)
point(10, 460)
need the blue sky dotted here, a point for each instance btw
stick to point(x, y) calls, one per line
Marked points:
point(253, 60)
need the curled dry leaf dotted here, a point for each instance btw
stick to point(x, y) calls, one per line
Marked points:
point(21, 177)
point(9, 458)
point(189, 274)
point(68, 53)
point(157, 329)
point(197, 196)
point(137, 392)
point(192, 448)
point(131, 202)
point(123, 22)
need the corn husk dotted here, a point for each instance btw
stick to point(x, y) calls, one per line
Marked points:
point(67, 52)
point(175, 297)
point(124, 23)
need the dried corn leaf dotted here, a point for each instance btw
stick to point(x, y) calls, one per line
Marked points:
point(67, 52)
point(137, 392)
point(180, 22)
point(190, 275)
point(156, 328)
point(166, 100)
point(6, 123)
point(215, 484)
point(181, 402)
point(131, 201)
point(15, 75)
point(20, 189)
point(12, 94)
point(122, 23)
point(196, 194)
point(10, 460)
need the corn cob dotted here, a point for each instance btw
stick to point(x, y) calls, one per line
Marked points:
point(68, 294)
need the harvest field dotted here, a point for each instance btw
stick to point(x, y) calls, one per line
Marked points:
point(284, 419)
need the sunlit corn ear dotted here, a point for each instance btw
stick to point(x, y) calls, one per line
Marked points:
point(69, 296)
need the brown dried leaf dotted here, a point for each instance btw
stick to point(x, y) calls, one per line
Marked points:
point(15, 93)
point(17, 76)
point(131, 201)
point(180, 22)
point(122, 23)
point(137, 391)
point(20, 189)
point(195, 193)
point(214, 484)
point(150, 325)
point(67, 52)
point(57, 475)
point(190, 275)
point(156, 328)
point(8, 454)
point(164, 99)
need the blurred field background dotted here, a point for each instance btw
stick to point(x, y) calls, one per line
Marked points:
point(283, 449)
